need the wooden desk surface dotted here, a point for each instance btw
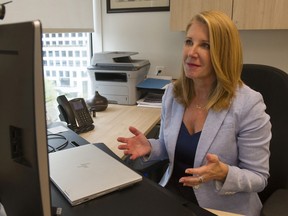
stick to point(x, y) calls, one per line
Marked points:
point(115, 120)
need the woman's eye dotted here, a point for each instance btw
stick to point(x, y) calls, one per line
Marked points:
point(206, 45)
point(188, 42)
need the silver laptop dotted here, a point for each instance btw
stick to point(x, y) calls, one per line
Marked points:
point(86, 172)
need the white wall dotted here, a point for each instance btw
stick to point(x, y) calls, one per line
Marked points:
point(150, 35)
point(268, 47)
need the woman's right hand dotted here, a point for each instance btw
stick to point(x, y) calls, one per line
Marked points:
point(136, 146)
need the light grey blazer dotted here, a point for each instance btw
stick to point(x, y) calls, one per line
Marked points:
point(240, 136)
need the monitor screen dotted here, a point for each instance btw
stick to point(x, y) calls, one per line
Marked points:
point(24, 171)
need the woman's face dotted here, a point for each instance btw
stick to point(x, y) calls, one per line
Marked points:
point(196, 53)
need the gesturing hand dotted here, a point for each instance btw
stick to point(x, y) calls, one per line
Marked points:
point(214, 169)
point(136, 146)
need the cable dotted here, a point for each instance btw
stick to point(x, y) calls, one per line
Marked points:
point(59, 147)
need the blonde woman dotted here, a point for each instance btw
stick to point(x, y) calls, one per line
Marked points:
point(214, 128)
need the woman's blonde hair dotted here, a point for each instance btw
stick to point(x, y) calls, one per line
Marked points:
point(226, 59)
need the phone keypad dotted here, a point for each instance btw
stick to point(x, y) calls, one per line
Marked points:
point(83, 117)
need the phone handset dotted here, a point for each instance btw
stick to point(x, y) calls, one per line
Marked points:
point(66, 112)
point(75, 113)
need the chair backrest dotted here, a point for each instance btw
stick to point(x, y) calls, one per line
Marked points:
point(272, 83)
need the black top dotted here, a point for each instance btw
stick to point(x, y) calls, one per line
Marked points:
point(184, 158)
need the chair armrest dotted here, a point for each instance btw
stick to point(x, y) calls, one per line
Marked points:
point(276, 204)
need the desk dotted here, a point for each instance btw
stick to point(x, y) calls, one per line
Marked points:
point(143, 197)
point(115, 120)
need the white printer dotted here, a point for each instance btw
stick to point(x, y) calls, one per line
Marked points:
point(115, 76)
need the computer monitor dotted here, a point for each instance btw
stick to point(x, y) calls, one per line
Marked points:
point(24, 171)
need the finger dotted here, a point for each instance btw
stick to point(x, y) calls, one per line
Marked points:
point(212, 158)
point(190, 181)
point(189, 171)
point(122, 139)
point(133, 157)
point(134, 130)
point(126, 152)
point(196, 179)
point(122, 147)
point(195, 171)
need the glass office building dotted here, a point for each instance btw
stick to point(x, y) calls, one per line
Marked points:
point(66, 57)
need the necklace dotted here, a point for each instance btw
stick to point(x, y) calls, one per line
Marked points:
point(197, 106)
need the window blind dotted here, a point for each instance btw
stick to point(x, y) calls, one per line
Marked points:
point(55, 15)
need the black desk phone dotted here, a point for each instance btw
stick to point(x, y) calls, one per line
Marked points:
point(75, 113)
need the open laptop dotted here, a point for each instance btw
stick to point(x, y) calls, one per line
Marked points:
point(86, 172)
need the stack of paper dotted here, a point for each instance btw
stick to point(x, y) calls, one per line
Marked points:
point(153, 88)
point(151, 100)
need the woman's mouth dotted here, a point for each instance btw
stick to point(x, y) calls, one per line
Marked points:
point(192, 65)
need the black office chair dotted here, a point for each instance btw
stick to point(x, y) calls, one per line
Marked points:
point(272, 83)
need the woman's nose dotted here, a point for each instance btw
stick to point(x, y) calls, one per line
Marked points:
point(193, 51)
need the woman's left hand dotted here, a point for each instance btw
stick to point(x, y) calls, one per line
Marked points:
point(214, 169)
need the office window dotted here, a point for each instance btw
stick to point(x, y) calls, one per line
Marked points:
point(77, 53)
point(48, 73)
point(77, 63)
point(61, 74)
point(66, 74)
point(65, 82)
point(64, 63)
point(63, 53)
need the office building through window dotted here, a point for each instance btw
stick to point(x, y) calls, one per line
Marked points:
point(66, 57)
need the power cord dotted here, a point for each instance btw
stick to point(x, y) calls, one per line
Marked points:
point(59, 147)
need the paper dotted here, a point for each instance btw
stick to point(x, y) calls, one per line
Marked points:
point(151, 100)
point(57, 129)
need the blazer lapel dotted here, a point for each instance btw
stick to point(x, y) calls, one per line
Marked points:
point(212, 125)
